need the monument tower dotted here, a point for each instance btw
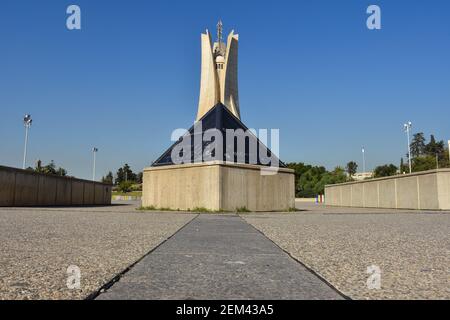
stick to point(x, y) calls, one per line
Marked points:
point(219, 74)
point(205, 168)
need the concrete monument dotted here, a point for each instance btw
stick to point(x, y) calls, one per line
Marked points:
point(219, 164)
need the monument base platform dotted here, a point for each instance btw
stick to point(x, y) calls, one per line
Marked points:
point(218, 186)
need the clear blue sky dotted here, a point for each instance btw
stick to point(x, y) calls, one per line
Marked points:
point(131, 76)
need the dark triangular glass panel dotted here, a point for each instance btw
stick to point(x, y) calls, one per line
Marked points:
point(239, 145)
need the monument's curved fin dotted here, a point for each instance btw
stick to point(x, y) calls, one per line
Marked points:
point(230, 93)
point(209, 85)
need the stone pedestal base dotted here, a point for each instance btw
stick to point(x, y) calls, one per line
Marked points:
point(218, 186)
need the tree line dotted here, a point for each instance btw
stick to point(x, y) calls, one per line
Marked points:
point(125, 179)
point(424, 156)
point(123, 174)
point(48, 169)
point(310, 180)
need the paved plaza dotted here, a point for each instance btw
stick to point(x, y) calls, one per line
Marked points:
point(316, 253)
point(219, 257)
point(410, 248)
point(39, 244)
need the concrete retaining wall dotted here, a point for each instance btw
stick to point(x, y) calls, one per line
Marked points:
point(19, 188)
point(218, 186)
point(428, 190)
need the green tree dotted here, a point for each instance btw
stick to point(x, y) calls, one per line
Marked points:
point(49, 169)
point(109, 178)
point(125, 186)
point(437, 149)
point(307, 183)
point(125, 174)
point(120, 176)
point(336, 176)
point(299, 169)
point(428, 156)
point(386, 170)
point(446, 160)
point(424, 163)
point(61, 172)
point(403, 167)
point(38, 167)
point(139, 177)
point(311, 180)
point(418, 145)
point(351, 168)
point(434, 147)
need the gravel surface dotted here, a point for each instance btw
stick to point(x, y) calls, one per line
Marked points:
point(411, 249)
point(39, 244)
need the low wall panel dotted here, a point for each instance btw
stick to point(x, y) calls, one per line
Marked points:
point(371, 194)
point(407, 193)
point(64, 192)
point(47, 190)
point(332, 197)
point(107, 194)
point(444, 190)
point(77, 192)
point(89, 193)
point(98, 196)
point(387, 194)
point(346, 195)
point(357, 195)
point(7, 183)
point(26, 189)
point(427, 190)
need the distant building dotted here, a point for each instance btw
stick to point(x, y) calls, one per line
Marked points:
point(360, 176)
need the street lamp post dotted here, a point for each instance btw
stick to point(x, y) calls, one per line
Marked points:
point(27, 123)
point(94, 151)
point(449, 151)
point(407, 127)
point(364, 159)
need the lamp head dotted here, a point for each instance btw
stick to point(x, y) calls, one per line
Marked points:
point(407, 125)
point(27, 120)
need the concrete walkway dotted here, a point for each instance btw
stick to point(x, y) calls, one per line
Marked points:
point(219, 257)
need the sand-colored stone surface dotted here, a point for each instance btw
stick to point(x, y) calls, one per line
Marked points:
point(218, 186)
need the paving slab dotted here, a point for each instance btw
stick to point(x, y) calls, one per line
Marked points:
point(219, 257)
